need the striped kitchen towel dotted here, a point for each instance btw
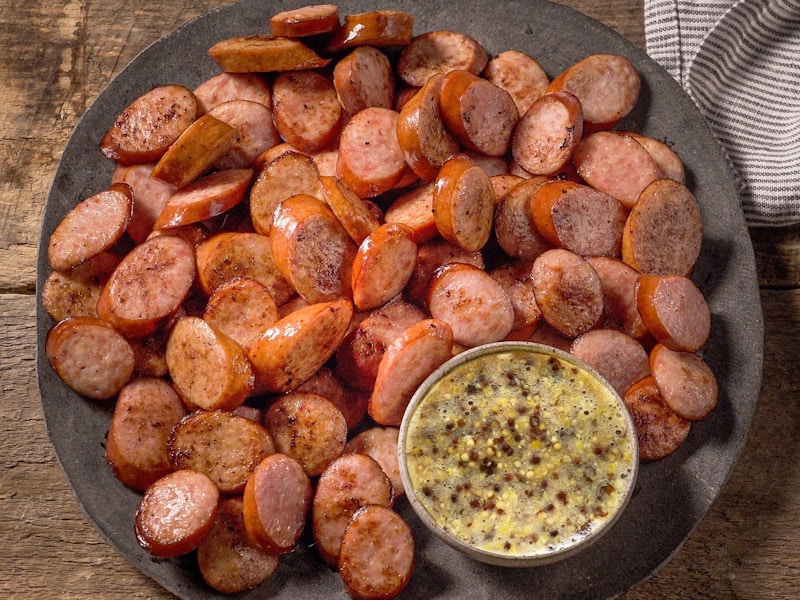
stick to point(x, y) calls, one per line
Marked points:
point(739, 61)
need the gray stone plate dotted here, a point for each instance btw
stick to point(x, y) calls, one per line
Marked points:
point(672, 495)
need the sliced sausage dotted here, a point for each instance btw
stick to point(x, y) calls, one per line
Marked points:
point(243, 309)
point(620, 359)
point(440, 52)
point(232, 86)
point(568, 292)
point(579, 218)
point(208, 368)
point(205, 198)
point(353, 213)
point(493, 165)
point(150, 195)
point(503, 184)
point(546, 334)
point(370, 159)
point(518, 74)
point(312, 250)
point(306, 109)
point(264, 54)
point(349, 482)
point(660, 431)
point(308, 428)
point(228, 560)
point(147, 127)
point(414, 208)
point(230, 255)
point(465, 100)
point(225, 446)
point(615, 163)
point(517, 280)
point(352, 402)
point(255, 132)
point(197, 149)
point(90, 227)
point(405, 364)
point(381, 444)
point(463, 203)
point(176, 513)
point(687, 383)
point(74, 293)
point(666, 211)
point(674, 311)
point(517, 235)
point(305, 21)
point(136, 446)
point(380, 28)
point(377, 554)
point(548, 133)
point(421, 132)
point(472, 302)
point(383, 265)
point(291, 351)
point(364, 78)
point(431, 256)
point(148, 286)
point(607, 85)
point(667, 160)
point(151, 351)
point(619, 296)
point(360, 353)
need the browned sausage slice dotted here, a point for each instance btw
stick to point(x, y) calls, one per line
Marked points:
point(674, 311)
point(371, 160)
point(517, 280)
point(264, 54)
point(277, 500)
point(349, 482)
point(377, 554)
point(243, 309)
point(465, 100)
point(312, 250)
point(208, 368)
point(305, 21)
point(440, 52)
point(90, 227)
point(518, 74)
point(472, 302)
point(176, 513)
point(414, 208)
point(579, 218)
point(425, 142)
point(513, 226)
point(291, 351)
point(205, 198)
point(225, 446)
point(568, 292)
point(136, 445)
point(383, 265)
point(666, 211)
point(364, 78)
point(148, 286)
point(307, 427)
point(659, 429)
point(607, 85)
point(306, 110)
point(381, 444)
point(619, 358)
point(380, 28)
point(232, 86)
point(619, 296)
point(463, 203)
point(431, 256)
point(408, 360)
point(150, 195)
point(255, 132)
point(144, 131)
point(74, 293)
point(228, 560)
point(353, 213)
point(548, 133)
point(667, 160)
point(617, 164)
point(687, 383)
point(352, 402)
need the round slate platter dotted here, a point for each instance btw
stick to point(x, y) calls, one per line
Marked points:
point(671, 495)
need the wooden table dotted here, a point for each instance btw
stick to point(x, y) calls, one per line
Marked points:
point(56, 58)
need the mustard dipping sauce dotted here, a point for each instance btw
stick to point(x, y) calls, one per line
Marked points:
point(520, 453)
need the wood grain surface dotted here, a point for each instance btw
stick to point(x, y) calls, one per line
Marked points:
point(57, 56)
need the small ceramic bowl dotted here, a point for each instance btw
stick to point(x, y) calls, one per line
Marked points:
point(517, 454)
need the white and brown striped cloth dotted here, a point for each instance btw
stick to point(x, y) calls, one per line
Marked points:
point(739, 61)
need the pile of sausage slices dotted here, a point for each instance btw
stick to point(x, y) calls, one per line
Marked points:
point(287, 251)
